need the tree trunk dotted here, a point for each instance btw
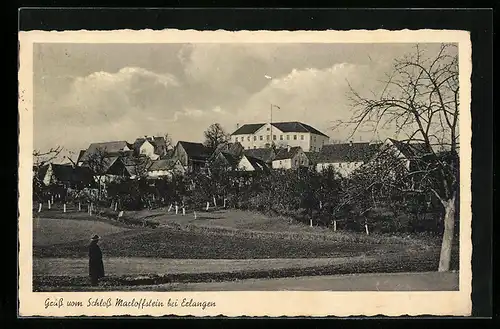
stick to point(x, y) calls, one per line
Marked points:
point(449, 226)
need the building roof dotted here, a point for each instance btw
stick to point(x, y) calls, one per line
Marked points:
point(68, 173)
point(257, 164)
point(287, 153)
point(111, 148)
point(158, 143)
point(312, 156)
point(287, 127)
point(162, 164)
point(347, 152)
point(195, 150)
point(410, 150)
point(265, 154)
point(233, 148)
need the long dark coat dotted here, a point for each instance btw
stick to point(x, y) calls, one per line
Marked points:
point(96, 266)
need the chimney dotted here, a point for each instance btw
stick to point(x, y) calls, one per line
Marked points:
point(237, 125)
point(288, 148)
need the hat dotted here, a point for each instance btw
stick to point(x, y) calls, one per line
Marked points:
point(95, 238)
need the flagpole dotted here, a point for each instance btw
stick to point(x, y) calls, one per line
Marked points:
point(271, 124)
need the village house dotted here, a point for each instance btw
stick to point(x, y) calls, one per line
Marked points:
point(345, 158)
point(65, 175)
point(116, 148)
point(290, 158)
point(409, 154)
point(267, 155)
point(165, 168)
point(150, 146)
point(281, 134)
point(193, 156)
point(250, 164)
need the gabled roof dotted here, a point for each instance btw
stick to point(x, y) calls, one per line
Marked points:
point(347, 152)
point(287, 127)
point(158, 143)
point(410, 150)
point(248, 128)
point(257, 164)
point(68, 173)
point(111, 148)
point(265, 154)
point(162, 165)
point(80, 155)
point(195, 150)
point(285, 153)
point(233, 148)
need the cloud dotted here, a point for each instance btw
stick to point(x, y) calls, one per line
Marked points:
point(314, 96)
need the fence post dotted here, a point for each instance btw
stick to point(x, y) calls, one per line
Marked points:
point(116, 205)
point(215, 203)
point(208, 205)
point(176, 209)
point(195, 215)
point(366, 229)
point(334, 225)
point(169, 208)
point(40, 207)
point(48, 202)
point(64, 208)
point(224, 202)
point(79, 206)
point(311, 222)
point(183, 211)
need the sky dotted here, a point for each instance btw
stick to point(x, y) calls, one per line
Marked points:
point(85, 93)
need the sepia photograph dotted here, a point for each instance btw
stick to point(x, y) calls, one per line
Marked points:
point(205, 165)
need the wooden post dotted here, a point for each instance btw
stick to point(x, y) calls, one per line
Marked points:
point(195, 215)
point(79, 206)
point(176, 209)
point(183, 211)
point(224, 202)
point(51, 199)
point(64, 208)
point(48, 202)
point(40, 207)
point(311, 222)
point(215, 203)
point(90, 209)
point(116, 205)
point(120, 214)
point(334, 225)
point(366, 229)
point(208, 205)
point(169, 208)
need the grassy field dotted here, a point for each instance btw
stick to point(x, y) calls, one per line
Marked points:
point(216, 246)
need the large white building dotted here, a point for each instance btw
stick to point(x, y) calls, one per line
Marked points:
point(259, 135)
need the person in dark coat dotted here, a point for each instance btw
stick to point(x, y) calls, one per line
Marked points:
point(96, 266)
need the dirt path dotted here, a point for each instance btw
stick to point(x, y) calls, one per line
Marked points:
point(423, 281)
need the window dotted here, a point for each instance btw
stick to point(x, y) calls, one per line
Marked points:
point(280, 162)
point(254, 138)
point(248, 138)
point(287, 137)
point(302, 137)
point(268, 129)
point(294, 137)
point(254, 147)
point(281, 137)
point(268, 137)
point(260, 137)
point(236, 138)
point(274, 137)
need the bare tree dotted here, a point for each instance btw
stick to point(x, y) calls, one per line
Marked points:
point(214, 136)
point(98, 163)
point(40, 160)
point(420, 100)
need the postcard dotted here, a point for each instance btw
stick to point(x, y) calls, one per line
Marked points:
point(244, 173)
